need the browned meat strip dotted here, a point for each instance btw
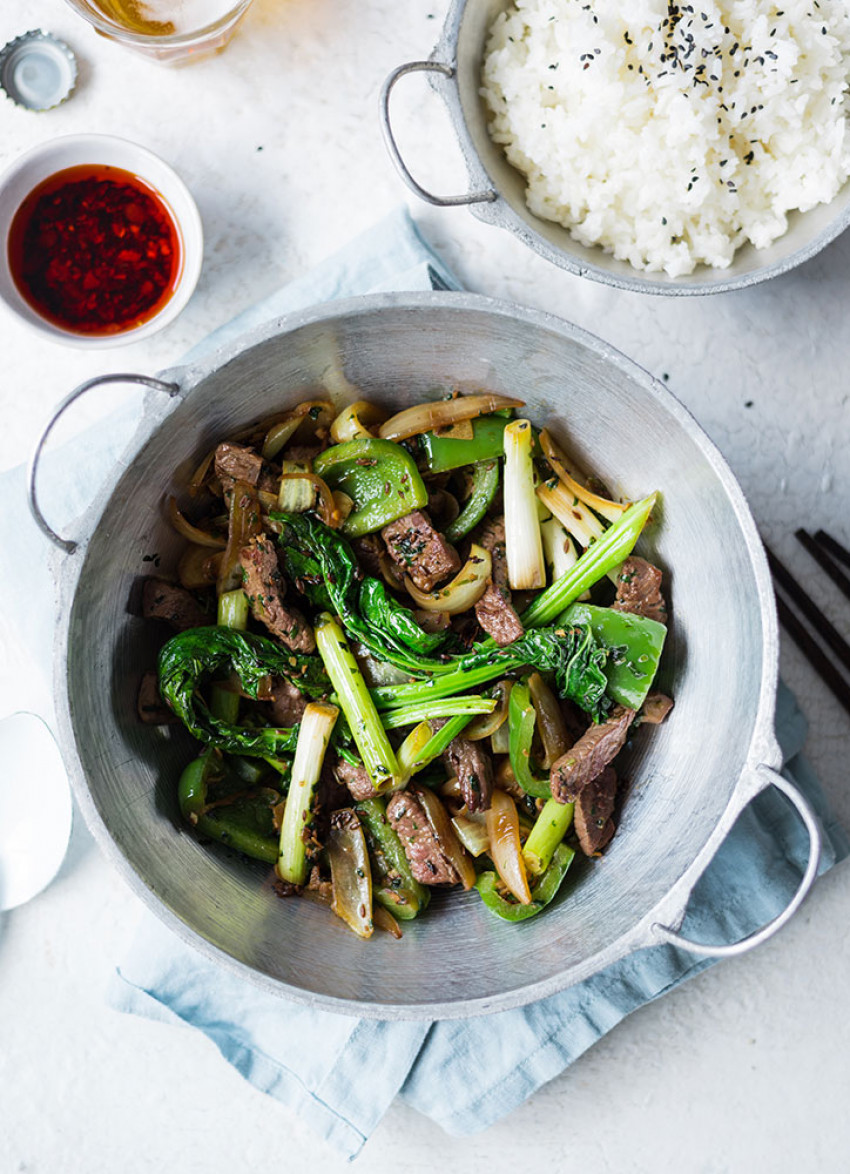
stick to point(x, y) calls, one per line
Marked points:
point(356, 778)
point(597, 746)
point(655, 709)
point(265, 587)
point(368, 550)
point(287, 704)
point(420, 550)
point(152, 709)
point(175, 605)
point(639, 590)
point(421, 846)
point(474, 769)
point(594, 807)
point(235, 462)
point(497, 617)
point(331, 794)
point(493, 539)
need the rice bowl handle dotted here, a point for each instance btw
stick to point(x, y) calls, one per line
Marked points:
point(524, 547)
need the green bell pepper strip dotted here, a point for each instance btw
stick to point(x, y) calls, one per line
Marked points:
point(521, 720)
point(600, 557)
point(246, 824)
point(549, 829)
point(634, 646)
point(379, 476)
point(443, 453)
point(398, 890)
point(541, 894)
point(485, 483)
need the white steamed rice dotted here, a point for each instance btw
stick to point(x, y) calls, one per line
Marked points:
point(671, 135)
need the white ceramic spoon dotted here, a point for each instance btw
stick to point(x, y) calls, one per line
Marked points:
point(35, 809)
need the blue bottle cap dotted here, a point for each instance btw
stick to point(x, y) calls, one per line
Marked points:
point(37, 71)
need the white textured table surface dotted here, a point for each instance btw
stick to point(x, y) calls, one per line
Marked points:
point(746, 1068)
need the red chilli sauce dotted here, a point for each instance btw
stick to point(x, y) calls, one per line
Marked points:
point(95, 250)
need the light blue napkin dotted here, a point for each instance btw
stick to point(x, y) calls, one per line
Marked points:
point(464, 1075)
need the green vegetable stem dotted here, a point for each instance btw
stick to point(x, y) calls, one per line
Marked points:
point(549, 829)
point(396, 887)
point(379, 476)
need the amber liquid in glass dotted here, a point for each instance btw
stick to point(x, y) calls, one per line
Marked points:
point(164, 18)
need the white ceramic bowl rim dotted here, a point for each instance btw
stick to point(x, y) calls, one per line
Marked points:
point(42, 161)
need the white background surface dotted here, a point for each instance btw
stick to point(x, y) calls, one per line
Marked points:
point(744, 1069)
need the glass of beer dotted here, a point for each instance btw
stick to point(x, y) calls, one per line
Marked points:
point(172, 32)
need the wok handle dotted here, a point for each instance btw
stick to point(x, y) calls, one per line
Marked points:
point(770, 778)
point(68, 544)
point(485, 196)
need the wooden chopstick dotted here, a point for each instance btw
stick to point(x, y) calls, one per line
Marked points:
point(840, 553)
point(824, 667)
point(830, 635)
point(821, 557)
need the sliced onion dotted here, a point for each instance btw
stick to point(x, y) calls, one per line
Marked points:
point(500, 740)
point(244, 524)
point(198, 567)
point(356, 422)
point(442, 414)
point(505, 846)
point(451, 788)
point(315, 415)
point(383, 919)
point(442, 828)
point(610, 510)
point(465, 589)
point(196, 481)
point(472, 832)
point(194, 533)
point(581, 522)
point(343, 503)
point(550, 721)
point(487, 724)
point(505, 779)
point(523, 545)
point(350, 872)
point(390, 572)
point(326, 506)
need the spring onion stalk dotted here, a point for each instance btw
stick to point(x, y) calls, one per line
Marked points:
point(573, 514)
point(409, 715)
point(549, 829)
point(603, 556)
point(523, 547)
point(317, 724)
point(232, 613)
point(422, 745)
point(370, 737)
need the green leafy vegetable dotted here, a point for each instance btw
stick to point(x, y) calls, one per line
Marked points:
point(634, 644)
point(190, 657)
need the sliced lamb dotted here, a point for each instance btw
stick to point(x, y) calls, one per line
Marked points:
point(597, 746)
point(368, 551)
point(151, 708)
point(639, 590)
point(421, 847)
point(655, 709)
point(236, 462)
point(287, 704)
point(594, 807)
point(355, 778)
point(492, 538)
point(420, 550)
point(472, 765)
point(265, 587)
point(175, 605)
point(497, 617)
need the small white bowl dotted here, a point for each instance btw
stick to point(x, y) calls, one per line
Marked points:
point(36, 165)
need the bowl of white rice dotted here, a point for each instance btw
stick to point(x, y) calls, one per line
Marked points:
point(672, 149)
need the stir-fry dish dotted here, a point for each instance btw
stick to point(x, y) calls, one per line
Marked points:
point(411, 649)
